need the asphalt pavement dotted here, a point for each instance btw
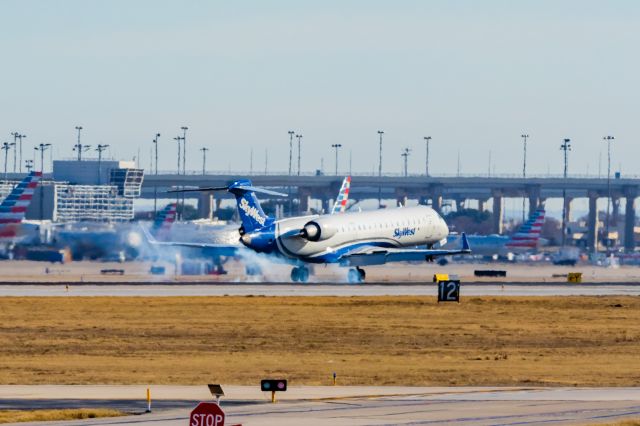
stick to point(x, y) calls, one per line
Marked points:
point(349, 405)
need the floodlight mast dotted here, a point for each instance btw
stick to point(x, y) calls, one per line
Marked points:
point(524, 169)
point(565, 147)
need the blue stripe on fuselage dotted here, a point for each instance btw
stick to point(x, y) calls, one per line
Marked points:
point(337, 255)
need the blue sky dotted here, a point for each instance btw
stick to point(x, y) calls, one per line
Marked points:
point(474, 75)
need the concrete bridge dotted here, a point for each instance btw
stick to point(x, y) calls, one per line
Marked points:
point(426, 190)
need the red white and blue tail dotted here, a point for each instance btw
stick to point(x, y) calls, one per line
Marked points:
point(14, 208)
point(163, 221)
point(343, 197)
point(528, 235)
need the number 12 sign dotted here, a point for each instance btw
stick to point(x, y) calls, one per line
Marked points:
point(449, 291)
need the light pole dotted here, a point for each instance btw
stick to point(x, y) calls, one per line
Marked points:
point(100, 148)
point(337, 147)
point(42, 148)
point(28, 165)
point(6, 146)
point(155, 188)
point(380, 133)
point(204, 158)
point(524, 168)
point(178, 139)
point(299, 137)
point(608, 140)
point(405, 153)
point(184, 150)
point(19, 136)
point(427, 139)
point(291, 133)
point(566, 147)
point(78, 145)
point(155, 145)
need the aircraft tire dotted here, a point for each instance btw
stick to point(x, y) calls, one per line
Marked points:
point(353, 276)
point(303, 275)
point(295, 274)
point(361, 275)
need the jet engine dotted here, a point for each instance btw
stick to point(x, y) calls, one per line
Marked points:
point(314, 231)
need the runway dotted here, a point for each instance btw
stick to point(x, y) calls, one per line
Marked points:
point(349, 405)
point(346, 290)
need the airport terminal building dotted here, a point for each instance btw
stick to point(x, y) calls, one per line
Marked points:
point(88, 190)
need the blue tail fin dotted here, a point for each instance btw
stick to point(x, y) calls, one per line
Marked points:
point(251, 214)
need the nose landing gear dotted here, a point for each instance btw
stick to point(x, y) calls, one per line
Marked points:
point(356, 275)
point(300, 273)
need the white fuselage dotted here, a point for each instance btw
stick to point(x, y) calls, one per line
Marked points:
point(339, 234)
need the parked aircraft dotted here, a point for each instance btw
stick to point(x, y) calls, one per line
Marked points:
point(526, 239)
point(13, 228)
point(351, 239)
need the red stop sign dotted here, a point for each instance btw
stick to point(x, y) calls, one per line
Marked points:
point(207, 414)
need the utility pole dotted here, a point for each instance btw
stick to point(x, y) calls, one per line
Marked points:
point(380, 133)
point(337, 147)
point(251, 162)
point(100, 148)
point(566, 147)
point(28, 165)
point(299, 139)
point(608, 140)
point(291, 133)
point(405, 153)
point(427, 139)
point(6, 146)
point(524, 169)
point(204, 158)
point(19, 136)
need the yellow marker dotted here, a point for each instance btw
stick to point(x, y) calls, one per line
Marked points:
point(148, 400)
point(574, 277)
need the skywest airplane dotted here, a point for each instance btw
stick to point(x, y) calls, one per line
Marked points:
point(349, 239)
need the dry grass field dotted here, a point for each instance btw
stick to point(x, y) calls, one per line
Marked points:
point(18, 416)
point(590, 341)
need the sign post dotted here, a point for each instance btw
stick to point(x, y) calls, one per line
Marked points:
point(207, 414)
point(449, 291)
point(273, 386)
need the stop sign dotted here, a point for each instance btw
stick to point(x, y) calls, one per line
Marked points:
point(207, 414)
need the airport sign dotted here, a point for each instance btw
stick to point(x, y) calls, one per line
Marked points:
point(207, 414)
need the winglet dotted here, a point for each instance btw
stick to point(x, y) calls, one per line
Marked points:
point(465, 244)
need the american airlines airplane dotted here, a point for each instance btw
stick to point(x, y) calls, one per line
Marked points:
point(13, 228)
point(526, 239)
point(351, 239)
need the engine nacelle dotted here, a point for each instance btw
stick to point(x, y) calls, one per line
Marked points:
point(314, 231)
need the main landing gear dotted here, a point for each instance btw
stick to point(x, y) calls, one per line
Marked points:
point(356, 275)
point(300, 273)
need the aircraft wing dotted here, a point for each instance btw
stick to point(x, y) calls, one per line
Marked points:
point(373, 255)
point(209, 248)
